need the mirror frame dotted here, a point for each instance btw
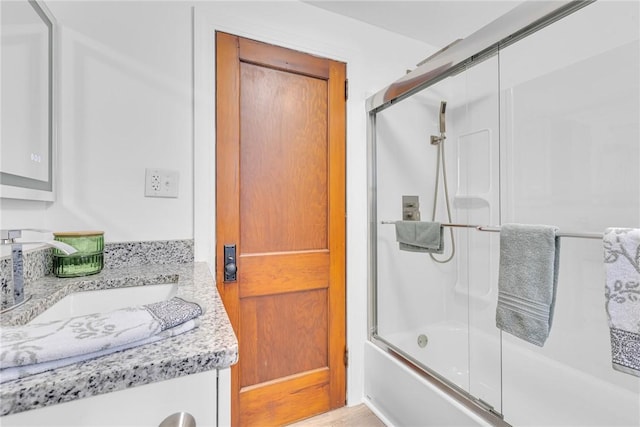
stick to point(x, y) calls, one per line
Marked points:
point(19, 187)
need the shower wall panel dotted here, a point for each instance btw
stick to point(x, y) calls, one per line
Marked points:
point(410, 287)
point(571, 152)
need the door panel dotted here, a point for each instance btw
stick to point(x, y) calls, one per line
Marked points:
point(280, 199)
point(270, 325)
point(283, 161)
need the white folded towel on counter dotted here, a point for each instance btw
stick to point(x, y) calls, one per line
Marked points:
point(17, 372)
point(94, 334)
point(622, 293)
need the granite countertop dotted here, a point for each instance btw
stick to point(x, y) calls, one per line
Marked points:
point(213, 345)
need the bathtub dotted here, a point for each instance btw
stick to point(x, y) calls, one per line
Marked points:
point(530, 390)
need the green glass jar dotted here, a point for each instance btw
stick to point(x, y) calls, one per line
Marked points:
point(88, 260)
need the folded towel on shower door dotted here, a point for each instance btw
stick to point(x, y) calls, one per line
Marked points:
point(622, 293)
point(527, 280)
point(420, 236)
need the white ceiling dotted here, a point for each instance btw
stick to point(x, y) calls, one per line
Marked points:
point(435, 22)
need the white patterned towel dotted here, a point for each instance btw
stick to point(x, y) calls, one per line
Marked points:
point(17, 372)
point(622, 292)
point(94, 333)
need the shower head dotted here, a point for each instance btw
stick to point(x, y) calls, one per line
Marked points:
point(435, 139)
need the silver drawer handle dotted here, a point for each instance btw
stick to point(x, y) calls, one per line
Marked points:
point(179, 419)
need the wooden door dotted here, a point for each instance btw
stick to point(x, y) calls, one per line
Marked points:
point(280, 159)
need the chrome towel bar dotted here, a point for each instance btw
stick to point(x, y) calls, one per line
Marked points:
point(496, 229)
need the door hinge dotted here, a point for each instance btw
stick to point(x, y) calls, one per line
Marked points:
point(346, 357)
point(346, 89)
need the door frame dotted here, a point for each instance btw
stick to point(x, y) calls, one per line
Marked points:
point(205, 23)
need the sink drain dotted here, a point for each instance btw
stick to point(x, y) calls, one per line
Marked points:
point(422, 340)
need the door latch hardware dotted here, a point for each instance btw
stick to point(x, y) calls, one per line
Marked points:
point(230, 266)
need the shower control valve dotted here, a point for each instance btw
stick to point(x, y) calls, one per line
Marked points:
point(410, 208)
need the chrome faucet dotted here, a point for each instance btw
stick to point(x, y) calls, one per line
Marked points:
point(8, 237)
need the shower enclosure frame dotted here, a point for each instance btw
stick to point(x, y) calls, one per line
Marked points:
point(517, 24)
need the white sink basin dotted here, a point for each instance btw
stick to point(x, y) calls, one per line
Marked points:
point(101, 301)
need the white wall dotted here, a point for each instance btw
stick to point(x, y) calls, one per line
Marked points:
point(137, 91)
point(124, 105)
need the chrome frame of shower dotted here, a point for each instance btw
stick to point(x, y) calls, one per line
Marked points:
point(515, 25)
point(460, 55)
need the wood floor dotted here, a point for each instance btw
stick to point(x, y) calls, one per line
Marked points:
point(356, 416)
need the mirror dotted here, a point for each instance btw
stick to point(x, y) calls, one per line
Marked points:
point(27, 139)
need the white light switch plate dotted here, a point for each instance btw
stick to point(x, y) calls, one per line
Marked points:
point(161, 183)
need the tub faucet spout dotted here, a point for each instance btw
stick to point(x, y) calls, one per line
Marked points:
point(8, 237)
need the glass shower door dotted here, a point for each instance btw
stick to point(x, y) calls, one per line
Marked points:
point(441, 316)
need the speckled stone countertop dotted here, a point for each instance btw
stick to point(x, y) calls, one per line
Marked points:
point(213, 345)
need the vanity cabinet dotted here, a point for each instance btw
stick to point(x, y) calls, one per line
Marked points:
point(205, 395)
point(140, 386)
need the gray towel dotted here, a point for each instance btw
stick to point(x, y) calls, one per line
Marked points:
point(527, 280)
point(622, 293)
point(420, 236)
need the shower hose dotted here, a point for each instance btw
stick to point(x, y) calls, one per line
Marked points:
point(439, 161)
